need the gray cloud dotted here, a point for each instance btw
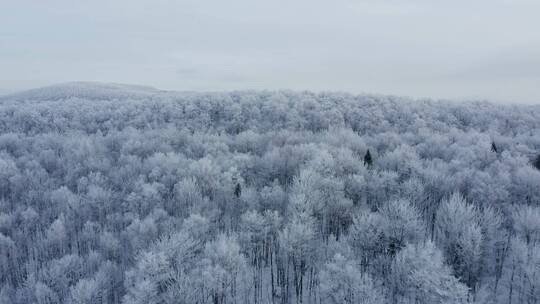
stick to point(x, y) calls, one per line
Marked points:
point(453, 49)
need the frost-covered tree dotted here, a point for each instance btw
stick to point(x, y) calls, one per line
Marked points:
point(419, 275)
point(520, 281)
point(342, 282)
point(459, 235)
point(526, 221)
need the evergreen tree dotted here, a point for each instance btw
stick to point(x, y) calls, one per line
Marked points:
point(536, 162)
point(494, 147)
point(238, 190)
point(368, 161)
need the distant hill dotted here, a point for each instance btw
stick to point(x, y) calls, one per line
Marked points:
point(84, 90)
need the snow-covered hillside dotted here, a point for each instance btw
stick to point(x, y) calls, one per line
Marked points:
point(84, 90)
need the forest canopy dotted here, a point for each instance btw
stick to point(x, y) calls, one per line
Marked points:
point(112, 194)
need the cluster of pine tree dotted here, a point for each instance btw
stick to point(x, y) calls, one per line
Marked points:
point(267, 197)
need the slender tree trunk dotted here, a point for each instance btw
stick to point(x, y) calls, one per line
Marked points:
point(511, 285)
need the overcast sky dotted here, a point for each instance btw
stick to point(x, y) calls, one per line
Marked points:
point(458, 49)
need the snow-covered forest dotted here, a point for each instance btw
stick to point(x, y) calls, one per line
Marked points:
point(115, 194)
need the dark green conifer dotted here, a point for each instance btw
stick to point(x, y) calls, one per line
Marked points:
point(494, 147)
point(536, 162)
point(237, 190)
point(368, 161)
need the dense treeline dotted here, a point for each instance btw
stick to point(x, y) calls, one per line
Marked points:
point(266, 197)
